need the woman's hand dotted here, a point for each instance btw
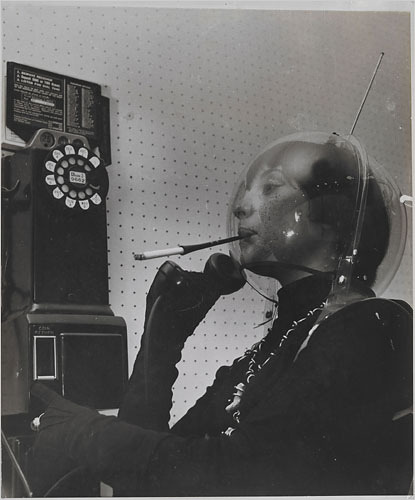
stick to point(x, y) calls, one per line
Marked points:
point(71, 436)
point(51, 457)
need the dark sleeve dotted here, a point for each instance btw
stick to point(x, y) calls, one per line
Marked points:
point(148, 399)
point(207, 415)
point(168, 324)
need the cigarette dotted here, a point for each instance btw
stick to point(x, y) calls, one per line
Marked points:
point(155, 254)
point(183, 249)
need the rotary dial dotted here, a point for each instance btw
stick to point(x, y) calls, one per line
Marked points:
point(76, 177)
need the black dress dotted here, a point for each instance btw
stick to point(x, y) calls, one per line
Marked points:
point(321, 420)
point(320, 425)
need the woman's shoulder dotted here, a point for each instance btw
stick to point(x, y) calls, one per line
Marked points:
point(372, 311)
point(367, 321)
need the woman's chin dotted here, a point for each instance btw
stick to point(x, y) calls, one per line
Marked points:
point(247, 257)
point(250, 256)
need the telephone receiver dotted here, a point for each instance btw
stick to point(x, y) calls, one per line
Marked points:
point(224, 272)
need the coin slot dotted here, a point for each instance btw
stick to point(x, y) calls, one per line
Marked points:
point(47, 140)
point(63, 140)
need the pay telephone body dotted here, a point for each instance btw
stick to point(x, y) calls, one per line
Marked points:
point(57, 325)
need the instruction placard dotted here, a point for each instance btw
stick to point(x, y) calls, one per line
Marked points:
point(41, 99)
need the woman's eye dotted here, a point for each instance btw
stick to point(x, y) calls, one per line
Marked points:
point(269, 187)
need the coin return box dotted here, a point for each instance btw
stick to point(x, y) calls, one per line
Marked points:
point(44, 358)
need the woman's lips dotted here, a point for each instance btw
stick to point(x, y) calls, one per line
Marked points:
point(245, 232)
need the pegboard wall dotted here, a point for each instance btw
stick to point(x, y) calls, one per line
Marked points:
point(195, 94)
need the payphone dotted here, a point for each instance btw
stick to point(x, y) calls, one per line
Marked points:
point(57, 325)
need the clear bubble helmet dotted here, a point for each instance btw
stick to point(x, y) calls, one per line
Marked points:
point(313, 202)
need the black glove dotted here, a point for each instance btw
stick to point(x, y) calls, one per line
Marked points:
point(182, 298)
point(51, 462)
point(185, 297)
point(72, 436)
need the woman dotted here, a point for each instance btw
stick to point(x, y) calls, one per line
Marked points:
point(312, 408)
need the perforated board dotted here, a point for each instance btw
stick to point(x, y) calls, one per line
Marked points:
point(195, 94)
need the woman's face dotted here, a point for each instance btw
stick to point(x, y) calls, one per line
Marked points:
point(272, 210)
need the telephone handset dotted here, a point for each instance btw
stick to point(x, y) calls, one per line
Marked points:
point(224, 275)
point(75, 177)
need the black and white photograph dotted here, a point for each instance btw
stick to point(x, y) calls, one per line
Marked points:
point(206, 249)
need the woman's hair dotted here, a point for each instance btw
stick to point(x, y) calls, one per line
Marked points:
point(332, 188)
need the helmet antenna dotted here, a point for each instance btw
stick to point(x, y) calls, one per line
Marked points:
point(367, 92)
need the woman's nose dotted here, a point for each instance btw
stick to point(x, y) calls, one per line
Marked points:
point(243, 208)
